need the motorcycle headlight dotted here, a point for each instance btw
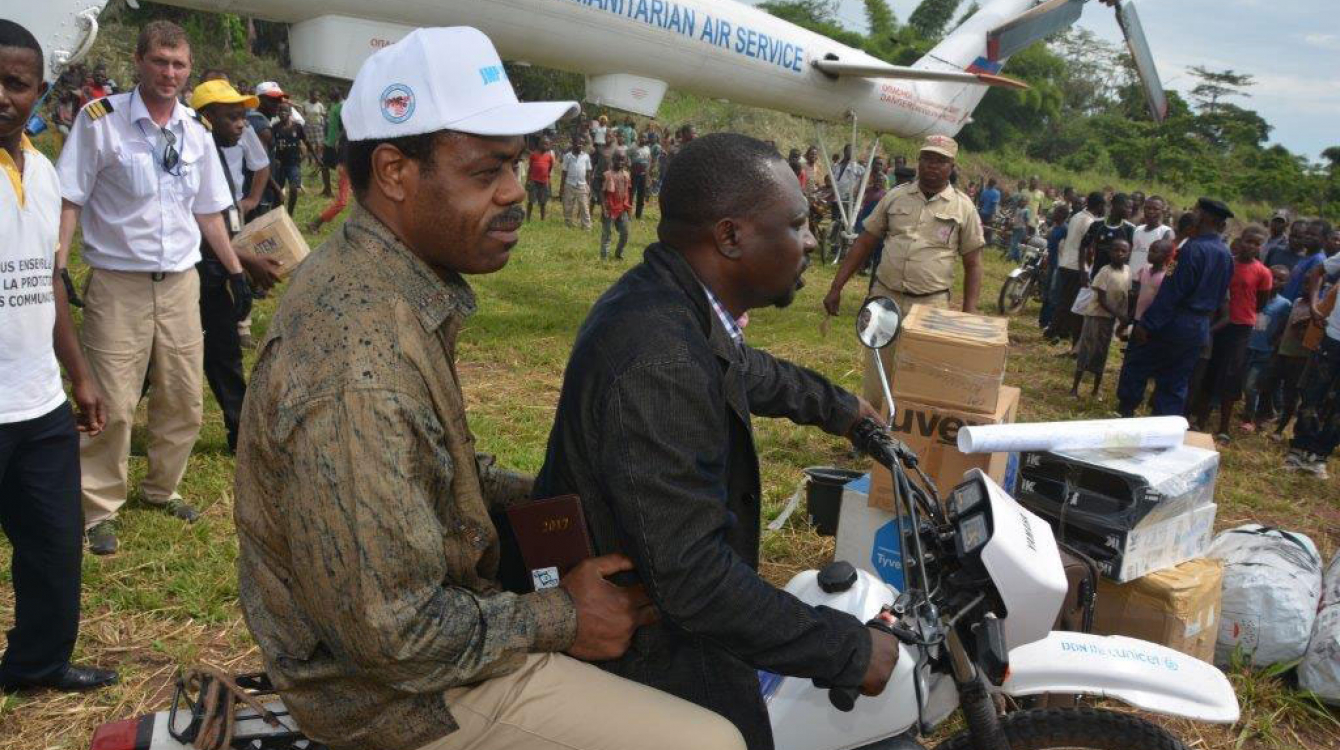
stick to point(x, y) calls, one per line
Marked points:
point(972, 534)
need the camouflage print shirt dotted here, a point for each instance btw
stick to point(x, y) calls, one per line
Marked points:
point(367, 560)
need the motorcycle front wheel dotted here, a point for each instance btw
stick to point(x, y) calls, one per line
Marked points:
point(1075, 729)
point(1014, 294)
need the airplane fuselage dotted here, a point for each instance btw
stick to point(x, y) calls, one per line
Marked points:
point(630, 50)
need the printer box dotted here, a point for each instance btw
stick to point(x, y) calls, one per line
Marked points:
point(1118, 489)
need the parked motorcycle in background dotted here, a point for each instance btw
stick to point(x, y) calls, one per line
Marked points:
point(1025, 282)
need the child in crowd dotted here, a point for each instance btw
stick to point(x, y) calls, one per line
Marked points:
point(1249, 290)
point(616, 201)
point(1258, 404)
point(1105, 313)
point(1148, 279)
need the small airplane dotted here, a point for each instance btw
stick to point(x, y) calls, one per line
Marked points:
point(632, 51)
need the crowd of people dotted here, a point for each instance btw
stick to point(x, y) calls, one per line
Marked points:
point(1271, 332)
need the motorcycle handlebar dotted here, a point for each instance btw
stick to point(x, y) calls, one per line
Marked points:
point(844, 698)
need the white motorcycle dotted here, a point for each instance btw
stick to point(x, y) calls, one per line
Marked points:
point(986, 584)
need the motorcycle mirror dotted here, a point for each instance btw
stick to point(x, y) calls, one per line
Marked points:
point(879, 322)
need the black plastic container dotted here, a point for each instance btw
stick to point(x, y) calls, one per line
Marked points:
point(823, 496)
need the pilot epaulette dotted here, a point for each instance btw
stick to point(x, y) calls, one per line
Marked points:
point(98, 108)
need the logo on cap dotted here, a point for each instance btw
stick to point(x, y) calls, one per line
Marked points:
point(491, 74)
point(397, 103)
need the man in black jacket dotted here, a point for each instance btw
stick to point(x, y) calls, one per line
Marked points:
point(653, 432)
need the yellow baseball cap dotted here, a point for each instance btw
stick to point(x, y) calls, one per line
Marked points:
point(220, 92)
point(941, 144)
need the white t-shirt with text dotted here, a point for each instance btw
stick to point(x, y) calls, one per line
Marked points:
point(29, 374)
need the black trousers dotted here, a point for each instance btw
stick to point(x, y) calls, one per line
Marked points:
point(639, 193)
point(41, 516)
point(223, 347)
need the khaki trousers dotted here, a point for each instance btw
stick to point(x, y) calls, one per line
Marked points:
point(133, 324)
point(577, 205)
point(556, 702)
point(870, 385)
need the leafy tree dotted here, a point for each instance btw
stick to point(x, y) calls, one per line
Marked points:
point(1217, 84)
point(1332, 155)
point(932, 16)
point(883, 24)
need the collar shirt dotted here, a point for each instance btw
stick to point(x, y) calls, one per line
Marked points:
point(923, 237)
point(29, 223)
point(848, 178)
point(367, 562)
point(1078, 227)
point(136, 215)
point(249, 154)
point(727, 322)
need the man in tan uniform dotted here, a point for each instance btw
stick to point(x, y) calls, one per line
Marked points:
point(924, 227)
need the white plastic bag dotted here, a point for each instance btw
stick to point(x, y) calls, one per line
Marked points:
point(1085, 298)
point(1320, 670)
point(1272, 584)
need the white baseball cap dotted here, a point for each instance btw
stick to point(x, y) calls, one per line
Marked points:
point(269, 88)
point(441, 79)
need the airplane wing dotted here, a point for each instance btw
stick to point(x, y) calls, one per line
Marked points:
point(883, 70)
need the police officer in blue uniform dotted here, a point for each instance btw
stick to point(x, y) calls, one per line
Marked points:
point(1168, 339)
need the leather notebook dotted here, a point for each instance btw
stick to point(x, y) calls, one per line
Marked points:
point(551, 537)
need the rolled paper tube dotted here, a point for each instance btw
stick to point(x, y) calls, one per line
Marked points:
point(1145, 432)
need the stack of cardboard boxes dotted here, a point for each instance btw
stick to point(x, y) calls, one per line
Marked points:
point(948, 372)
point(1146, 518)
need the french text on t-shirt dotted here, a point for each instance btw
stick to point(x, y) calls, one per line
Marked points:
point(26, 281)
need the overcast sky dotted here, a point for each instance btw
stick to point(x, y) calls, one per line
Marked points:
point(1292, 47)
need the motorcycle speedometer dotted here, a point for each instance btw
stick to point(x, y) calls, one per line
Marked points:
point(966, 496)
point(972, 534)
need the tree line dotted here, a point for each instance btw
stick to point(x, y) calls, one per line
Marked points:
point(1085, 111)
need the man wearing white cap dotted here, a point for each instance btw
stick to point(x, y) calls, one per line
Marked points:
point(368, 562)
point(925, 228)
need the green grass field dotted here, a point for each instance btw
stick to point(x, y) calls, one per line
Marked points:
point(168, 599)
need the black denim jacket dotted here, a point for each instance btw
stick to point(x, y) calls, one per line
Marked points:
point(653, 432)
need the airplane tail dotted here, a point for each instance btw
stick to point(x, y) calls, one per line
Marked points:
point(966, 49)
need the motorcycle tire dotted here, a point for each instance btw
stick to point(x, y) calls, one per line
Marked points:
point(1076, 729)
point(1014, 294)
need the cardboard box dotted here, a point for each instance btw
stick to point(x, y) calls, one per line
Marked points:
point(276, 235)
point(1200, 440)
point(868, 537)
point(1177, 607)
point(932, 433)
point(950, 358)
point(1118, 490)
point(1125, 555)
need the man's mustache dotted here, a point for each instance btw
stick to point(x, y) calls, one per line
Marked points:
point(509, 218)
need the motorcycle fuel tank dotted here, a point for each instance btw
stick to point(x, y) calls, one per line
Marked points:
point(803, 719)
